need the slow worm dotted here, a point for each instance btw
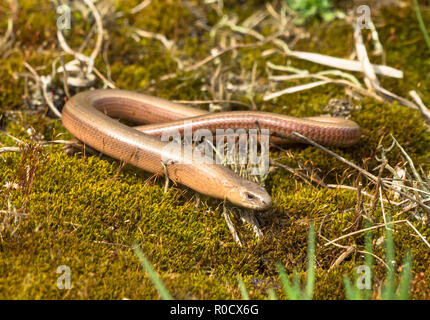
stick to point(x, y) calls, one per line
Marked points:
point(89, 116)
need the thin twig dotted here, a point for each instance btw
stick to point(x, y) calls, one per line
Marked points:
point(230, 226)
point(340, 186)
point(42, 83)
point(425, 112)
point(140, 6)
point(344, 64)
point(42, 144)
point(65, 86)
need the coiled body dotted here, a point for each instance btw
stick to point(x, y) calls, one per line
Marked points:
point(89, 117)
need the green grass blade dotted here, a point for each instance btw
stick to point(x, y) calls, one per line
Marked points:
point(310, 277)
point(421, 23)
point(242, 287)
point(350, 291)
point(405, 278)
point(152, 274)
point(368, 257)
point(368, 245)
point(389, 288)
point(342, 74)
point(271, 294)
point(290, 292)
point(296, 284)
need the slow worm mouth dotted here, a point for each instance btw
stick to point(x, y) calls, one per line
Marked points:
point(260, 201)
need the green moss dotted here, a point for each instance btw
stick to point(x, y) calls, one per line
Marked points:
point(85, 212)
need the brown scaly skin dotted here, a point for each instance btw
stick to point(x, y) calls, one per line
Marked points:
point(88, 114)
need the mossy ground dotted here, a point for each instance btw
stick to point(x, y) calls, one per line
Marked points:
point(87, 211)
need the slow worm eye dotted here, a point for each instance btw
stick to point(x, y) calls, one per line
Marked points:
point(249, 196)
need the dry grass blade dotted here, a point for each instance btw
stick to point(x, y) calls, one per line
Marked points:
point(344, 64)
point(369, 73)
point(295, 89)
